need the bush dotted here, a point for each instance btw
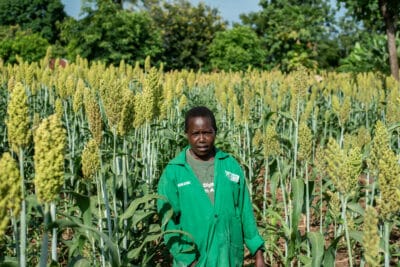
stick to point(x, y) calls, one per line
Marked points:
point(236, 49)
point(16, 42)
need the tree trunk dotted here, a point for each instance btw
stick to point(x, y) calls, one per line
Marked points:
point(390, 19)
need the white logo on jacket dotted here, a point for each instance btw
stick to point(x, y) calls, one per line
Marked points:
point(232, 176)
point(184, 183)
point(208, 187)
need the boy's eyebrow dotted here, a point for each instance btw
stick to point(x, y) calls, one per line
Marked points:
point(205, 131)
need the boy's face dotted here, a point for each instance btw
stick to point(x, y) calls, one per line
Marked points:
point(201, 137)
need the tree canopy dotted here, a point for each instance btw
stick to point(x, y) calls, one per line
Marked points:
point(39, 16)
point(284, 34)
point(292, 30)
point(187, 32)
point(110, 34)
point(379, 16)
point(236, 49)
point(15, 43)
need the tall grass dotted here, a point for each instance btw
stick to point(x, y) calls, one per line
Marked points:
point(124, 123)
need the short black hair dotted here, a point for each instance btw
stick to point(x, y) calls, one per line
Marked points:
point(200, 111)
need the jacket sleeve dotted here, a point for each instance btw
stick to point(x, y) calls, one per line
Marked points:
point(178, 244)
point(252, 238)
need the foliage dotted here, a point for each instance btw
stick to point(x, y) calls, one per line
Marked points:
point(110, 35)
point(236, 49)
point(369, 55)
point(187, 32)
point(368, 12)
point(379, 16)
point(351, 31)
point(109, 217)
point(39, 16)
point(292, 31)
point(16, 43)
point(140, 4)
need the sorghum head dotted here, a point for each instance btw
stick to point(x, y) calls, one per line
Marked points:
point(18, 121)
point(50, 142)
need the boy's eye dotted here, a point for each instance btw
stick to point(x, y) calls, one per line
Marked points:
point(208, 133)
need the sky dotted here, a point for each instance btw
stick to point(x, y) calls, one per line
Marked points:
point(229, 9)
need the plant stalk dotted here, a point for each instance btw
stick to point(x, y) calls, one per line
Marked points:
point(22, 246)
point(45, 239)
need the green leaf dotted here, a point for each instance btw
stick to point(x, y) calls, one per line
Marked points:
point(297, 201)
point(133, 207)
point(329, 256)
point(305, 261)
point(280, 221)
point(274, 184)
point(286, 115)
point(135, 253)
point(9, 263)
point(84, 205)
point(356, 207)
point(317, 247)
point(79, 261)
point(140, 215)
point(113, 248)
point(356, 235)
point(297, 204)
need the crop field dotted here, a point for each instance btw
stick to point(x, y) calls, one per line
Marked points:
point(82, 147)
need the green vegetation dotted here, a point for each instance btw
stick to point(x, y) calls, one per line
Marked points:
point(320, 158)
point(236, 49)
point(284, 34)
point(23, 44)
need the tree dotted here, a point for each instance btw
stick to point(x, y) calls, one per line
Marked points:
point(369, 55)
point(15, 43)
point(187, 32)
point(379, 16)
point(110, 34)
point(39, 16)
point(236, 49)
point(292, 30)
point(139, 4)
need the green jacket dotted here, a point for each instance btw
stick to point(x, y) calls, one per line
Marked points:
point(217, 232)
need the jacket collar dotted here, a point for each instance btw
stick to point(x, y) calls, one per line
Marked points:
point(180, 159)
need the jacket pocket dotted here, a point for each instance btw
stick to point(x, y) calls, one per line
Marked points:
point(236, 242)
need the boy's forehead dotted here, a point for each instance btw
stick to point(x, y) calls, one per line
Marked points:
point(198, 118)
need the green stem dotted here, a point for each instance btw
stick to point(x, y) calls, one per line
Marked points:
point(100, 221)
point(307, 201)
point(70, 141)
point(386, 236)
point(367, 189)
point(285, 205)
point(372, 189)
point(296, 133)
point(45, 239)
point(15, 233)
point(307, 208)
point(106, 202)
point(114, 195)
point(22, 247)
point(125, 191)
point(265, 187)
point(341, 137)
point(346, 229)
point(148, 153)
point(321, 217)
point(248, 142)
point(54, 234)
